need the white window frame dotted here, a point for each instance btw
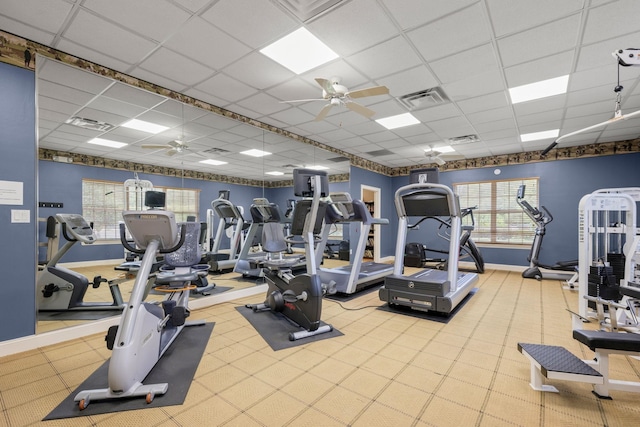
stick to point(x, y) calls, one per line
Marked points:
point(499, 220)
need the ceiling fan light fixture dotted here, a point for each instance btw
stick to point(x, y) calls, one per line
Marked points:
point(299, 51)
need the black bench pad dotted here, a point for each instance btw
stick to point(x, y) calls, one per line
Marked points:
point(608, 340)
point(557, 359)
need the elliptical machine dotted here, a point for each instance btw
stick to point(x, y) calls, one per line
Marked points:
point(541, 219)
point(299, 298)
point(61, 289)
point(146, 330)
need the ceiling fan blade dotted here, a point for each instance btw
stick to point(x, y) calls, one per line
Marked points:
point(154, 146)
point(172, 152)
point(371, 91)
point(326, 85)
point(303, 100)
point(323, 113)
point(360, 109)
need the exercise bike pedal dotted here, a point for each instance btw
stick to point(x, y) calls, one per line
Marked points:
point(49, 289)
point(178, 315)
point(97, 280)
point(110, 338)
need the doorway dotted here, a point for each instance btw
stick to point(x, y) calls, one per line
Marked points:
point(371, 197)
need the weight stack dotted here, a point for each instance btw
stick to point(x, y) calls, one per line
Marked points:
point(602, 283)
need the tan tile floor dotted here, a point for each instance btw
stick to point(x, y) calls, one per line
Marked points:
point(388, 369)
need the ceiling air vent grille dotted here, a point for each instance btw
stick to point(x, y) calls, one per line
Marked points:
point(307, 9)
point(424, 98)
point(91, 124)
point(464, 139)
point(216, 150)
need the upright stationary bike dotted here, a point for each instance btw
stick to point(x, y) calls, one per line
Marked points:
point(146, 330)
point(61, 289)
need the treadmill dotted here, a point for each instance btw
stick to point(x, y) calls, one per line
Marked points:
point(230, 216)
point(357, 275)
point(428, 289)
point(249, 263)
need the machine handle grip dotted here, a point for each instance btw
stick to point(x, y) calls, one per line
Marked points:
point(127, 246)
point(547, 215)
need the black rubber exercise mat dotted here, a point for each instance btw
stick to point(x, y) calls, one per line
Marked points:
point(274, 328)
point(176, 367)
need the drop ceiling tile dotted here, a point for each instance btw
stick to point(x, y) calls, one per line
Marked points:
point(354, 26)
point(484, 102)
point(102, 116)
point(27, 31)
point(68, 94)
point(386, 58)
point(192, 5)
point(90, 54)
point(225, 87)
point(115, 107)
point(70, 77)
point(207, 44)
point(438, 112)
point(254, 23)
point(107, 38)
point(176, 67)
point(47, 16)
point(131, 95)
point(549, 39)
point(474, 86)
point(607, 22)
point(545, 104)
point(57, 105)
point(409, 81)
point(258, 71)
point(411, 13)
point(157, 79)
point(452, 34)
point(489, 129)
point(449, 69)
point(488, 116)
point(510, 17)
point(540, 69)
point(153, 19)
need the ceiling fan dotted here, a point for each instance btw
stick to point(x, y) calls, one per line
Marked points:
point(438, 157)
point(337, 94)
point(173, 147)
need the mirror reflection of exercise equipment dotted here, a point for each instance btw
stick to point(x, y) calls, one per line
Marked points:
point(541, 219)
point(59, 288)
point(428, 289)
point(231, 224)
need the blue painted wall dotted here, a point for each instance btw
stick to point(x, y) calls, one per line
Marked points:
point(18, 163)
point(562, 185)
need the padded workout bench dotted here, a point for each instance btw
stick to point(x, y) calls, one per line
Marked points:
point(555, 362)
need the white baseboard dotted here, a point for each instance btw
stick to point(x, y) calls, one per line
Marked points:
point(31, 342)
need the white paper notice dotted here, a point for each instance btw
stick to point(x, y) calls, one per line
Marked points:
point(10, 193)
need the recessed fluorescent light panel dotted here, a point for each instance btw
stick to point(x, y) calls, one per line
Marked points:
point(299, 51)
point(213, 162)
point(255, 153)
point(318, 167)
point(442, 149)
point(541, 89)
point(401, 120)
point(275, 173)
point(106, 143)
point(144, 126)
point(535, 136)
